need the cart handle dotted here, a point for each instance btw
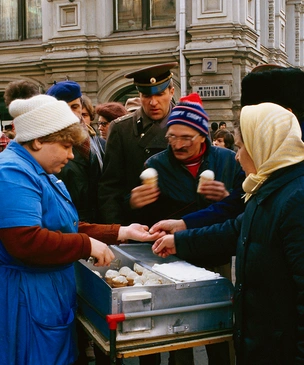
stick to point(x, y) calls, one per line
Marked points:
point(113, 319)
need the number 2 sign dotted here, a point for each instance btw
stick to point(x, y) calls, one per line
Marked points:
point(210, 65)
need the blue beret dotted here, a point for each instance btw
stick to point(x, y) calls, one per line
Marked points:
point(65, 90)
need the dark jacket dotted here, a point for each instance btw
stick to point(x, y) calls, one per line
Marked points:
point(81, 177)
point(269, 291)
point(129, 145)
point(178, 187)
point(218, 212)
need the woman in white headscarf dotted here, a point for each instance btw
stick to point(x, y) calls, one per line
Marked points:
point(268, 239)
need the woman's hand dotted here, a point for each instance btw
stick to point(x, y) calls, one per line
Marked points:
point(137, 232)
point(164, 246)
point(169, 226)
point(101, 252)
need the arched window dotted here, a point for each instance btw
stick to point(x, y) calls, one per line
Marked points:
point(124, 94)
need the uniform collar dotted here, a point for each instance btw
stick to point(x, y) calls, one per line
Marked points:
point(148, 121)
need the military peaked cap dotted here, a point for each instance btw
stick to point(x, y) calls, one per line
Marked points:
point(154, 79)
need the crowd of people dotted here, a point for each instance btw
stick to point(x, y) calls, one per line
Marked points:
point(72, 171)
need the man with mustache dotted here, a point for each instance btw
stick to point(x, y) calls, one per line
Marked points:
point(188, 154)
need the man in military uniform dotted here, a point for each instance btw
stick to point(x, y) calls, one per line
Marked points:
point(133, 139)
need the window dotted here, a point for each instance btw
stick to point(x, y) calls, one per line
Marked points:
point(212, 5)
point(144, 14)
point(251, 11)
point(20, 19)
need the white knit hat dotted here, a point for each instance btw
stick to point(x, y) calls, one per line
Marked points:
point(40, 116)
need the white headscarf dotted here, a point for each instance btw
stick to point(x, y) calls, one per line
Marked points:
point(272, 137)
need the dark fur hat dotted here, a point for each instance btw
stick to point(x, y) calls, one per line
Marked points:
point(283, 86)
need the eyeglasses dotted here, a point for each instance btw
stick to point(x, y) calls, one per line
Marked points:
point(103, 124)
point(187, 141)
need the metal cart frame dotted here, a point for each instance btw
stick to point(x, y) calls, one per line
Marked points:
point(134, 348)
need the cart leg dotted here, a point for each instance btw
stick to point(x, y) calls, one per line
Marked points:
point(113, 346)
point(232, 352)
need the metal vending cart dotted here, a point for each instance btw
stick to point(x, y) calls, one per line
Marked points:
point(138, 320)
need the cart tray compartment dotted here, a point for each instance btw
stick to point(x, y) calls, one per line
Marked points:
point(155, 310)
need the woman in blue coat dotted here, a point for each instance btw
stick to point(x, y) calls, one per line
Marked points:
point(41, 237)
point(268, 239)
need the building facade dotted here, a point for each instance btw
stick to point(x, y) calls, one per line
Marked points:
point(96, 42)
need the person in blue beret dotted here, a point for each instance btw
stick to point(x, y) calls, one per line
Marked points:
point(81, 175)
point(70, 92)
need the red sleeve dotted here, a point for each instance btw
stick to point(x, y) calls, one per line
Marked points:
point(106, 233)
point(39, 246)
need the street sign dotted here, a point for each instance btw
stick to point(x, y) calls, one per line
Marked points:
point(212, 91)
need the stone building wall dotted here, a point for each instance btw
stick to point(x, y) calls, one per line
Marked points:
point(216, 42)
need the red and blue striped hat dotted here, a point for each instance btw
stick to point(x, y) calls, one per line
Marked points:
point(190, 112)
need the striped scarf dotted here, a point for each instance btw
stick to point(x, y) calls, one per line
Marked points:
point(193, 163)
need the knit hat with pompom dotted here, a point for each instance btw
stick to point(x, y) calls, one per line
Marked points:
point(40, 116)
point(190, 112)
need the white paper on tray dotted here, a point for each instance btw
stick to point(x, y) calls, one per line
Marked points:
point(183, 271)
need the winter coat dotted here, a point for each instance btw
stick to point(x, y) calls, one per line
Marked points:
point(37, 303)
point(269, 292)
point(178, 187)
point(128, 146)
point(81, 177)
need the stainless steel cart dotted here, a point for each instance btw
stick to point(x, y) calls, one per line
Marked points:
point(153, 318)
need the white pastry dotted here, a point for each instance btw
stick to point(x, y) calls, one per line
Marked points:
point(119, 281)
point(138, 269)
point(109, 275)
point(125, 270)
